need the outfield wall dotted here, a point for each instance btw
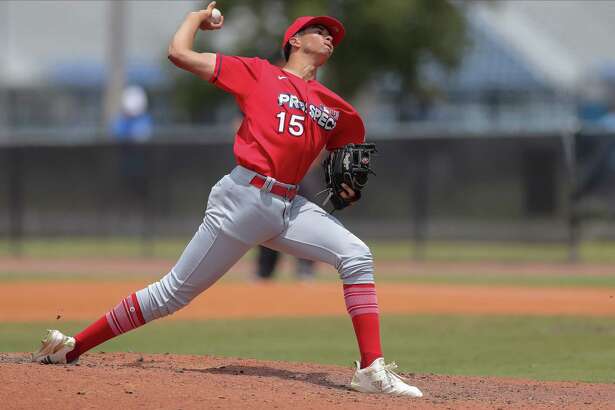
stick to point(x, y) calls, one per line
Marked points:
point(513, 188)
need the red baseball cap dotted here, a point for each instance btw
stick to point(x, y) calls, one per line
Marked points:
point(335, 27)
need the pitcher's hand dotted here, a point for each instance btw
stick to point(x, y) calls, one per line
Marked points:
point(204, 18)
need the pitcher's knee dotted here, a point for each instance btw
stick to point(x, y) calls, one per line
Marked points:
point(159, 300)
point(357, 264)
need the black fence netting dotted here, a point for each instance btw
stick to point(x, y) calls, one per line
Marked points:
point(470, 188)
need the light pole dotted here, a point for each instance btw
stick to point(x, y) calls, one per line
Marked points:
point(116, 45)
point(4, 60)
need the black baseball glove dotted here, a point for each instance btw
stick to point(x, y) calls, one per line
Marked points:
point(351, 165)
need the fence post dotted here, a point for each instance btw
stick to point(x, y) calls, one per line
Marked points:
point(16, 202)
point(419, 192)
point(573, 217)
point(147, 202)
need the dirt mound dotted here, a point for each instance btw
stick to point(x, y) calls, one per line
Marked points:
point(132, 380)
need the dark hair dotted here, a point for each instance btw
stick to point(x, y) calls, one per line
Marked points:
point(286, 51)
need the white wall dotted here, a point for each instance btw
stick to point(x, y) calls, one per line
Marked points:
point(37, 34)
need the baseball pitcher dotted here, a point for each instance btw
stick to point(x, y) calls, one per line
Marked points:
point(289, 117)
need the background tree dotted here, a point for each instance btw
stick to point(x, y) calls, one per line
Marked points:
point(385, 39)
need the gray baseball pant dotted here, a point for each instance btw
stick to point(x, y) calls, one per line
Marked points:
point(240, 216)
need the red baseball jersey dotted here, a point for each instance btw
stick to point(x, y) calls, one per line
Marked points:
point(287, 120)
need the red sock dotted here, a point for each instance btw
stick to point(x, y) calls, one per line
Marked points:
point(122, 318)
point(362, 305)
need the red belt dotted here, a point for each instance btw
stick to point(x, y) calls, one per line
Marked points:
point(277, 188)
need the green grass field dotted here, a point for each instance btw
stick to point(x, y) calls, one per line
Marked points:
point(543, 348)
point(592, 252)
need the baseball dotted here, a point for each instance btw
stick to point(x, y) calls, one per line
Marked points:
point(215, 16)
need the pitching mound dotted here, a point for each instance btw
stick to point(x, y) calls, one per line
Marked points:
point(121, 380)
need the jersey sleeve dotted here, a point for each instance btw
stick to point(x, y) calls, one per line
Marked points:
point(236, 75)
point(349, 130)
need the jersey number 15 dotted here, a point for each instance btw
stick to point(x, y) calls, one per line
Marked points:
point(294, 126)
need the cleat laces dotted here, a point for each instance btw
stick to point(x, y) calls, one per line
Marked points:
point(392, 379)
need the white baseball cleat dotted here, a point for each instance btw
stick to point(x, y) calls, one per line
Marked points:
point(380, 378)
point(54, 348)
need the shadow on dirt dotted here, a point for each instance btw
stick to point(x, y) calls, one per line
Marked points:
point(318, 378)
